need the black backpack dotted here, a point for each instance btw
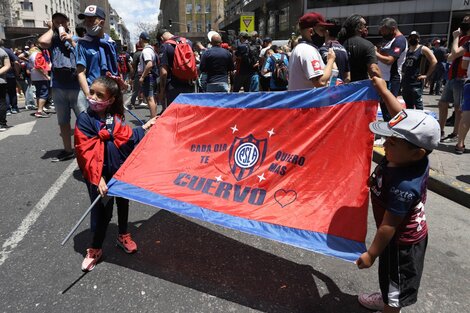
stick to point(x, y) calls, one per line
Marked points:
point(250, 55)
point(281, 72)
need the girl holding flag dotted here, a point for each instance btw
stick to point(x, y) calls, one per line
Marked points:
point(102, 143)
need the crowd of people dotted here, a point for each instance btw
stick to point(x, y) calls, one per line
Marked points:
point(86, 74)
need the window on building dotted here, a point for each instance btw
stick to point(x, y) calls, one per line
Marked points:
point(208, 7)
point(198, 6)
point(189, 25)
point(46, 8)
point(26, 5)
point(284, 19)
point(28, 23)
point(189, 8)
point(199, 27)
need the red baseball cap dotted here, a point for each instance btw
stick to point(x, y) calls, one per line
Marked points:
point(312, 19)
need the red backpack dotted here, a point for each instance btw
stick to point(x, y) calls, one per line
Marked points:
point(122, 62)
point(184, 61)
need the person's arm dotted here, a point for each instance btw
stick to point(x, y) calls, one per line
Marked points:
point(382, 238)
point(147, 69)
point(374, 70)
point(6, 65)
point(45, 41)
point(163, 78)
point(386, 59)
point(81, 74)
point(456, 51)
point(392, 103)
point(202, 65)
point(322, 81)
point(432, 63)
point(347, 77)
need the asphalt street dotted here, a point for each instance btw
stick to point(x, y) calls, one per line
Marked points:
point(182, 265)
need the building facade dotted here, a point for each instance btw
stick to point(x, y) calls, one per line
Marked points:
point(431, 18)
point(117, 24)
point(192, 18)
point(273, 18)
point(24, 20)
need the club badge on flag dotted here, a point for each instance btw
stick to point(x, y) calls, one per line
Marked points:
point(289, 166)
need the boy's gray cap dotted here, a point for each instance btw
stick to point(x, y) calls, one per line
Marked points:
point(415, 126)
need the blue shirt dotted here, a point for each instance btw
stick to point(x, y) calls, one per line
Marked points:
point(64, 68)
point(97, 56)
point(13, 58)
point(402, 192)
point(270, 65)
point(216, 62)
point(341, 60)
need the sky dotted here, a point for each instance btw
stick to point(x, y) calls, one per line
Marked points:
point(135, 11)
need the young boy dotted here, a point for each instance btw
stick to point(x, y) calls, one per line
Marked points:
point(398, 193)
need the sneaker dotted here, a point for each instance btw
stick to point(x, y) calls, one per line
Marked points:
point(13, 111)
point(452, 137)
point(372, 301)
point(126, 243)
point(50, 109)
point(63, 156)
point(8, 112)
point(93, 256)
point(41, 114)
point(3, 128)
point(451, 120)
point(31, 107)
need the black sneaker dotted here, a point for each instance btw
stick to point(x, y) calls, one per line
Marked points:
point(451, 120)
point(3, 127)
point(63, 156)
point(450, 138)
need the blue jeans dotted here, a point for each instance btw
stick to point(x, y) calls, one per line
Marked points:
point(413, 96)
point(217, 87)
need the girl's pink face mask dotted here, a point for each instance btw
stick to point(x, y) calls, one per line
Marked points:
point(98, 106)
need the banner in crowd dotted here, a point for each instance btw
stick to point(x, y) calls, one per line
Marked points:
point(289, 166)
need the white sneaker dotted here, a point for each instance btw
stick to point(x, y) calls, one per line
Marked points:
point(372, 301)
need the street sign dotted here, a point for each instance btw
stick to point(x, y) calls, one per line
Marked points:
point(247, 23)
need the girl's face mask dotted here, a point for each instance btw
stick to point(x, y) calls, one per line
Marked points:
point(97, 105)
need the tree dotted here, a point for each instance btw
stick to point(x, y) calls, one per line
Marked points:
point(150, 28)
point(114, 35)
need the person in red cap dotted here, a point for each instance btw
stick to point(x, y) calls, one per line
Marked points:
point(306, 61)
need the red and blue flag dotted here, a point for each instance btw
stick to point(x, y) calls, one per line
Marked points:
point(289, 166)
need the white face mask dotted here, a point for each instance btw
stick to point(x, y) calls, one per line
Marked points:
point(94, 30)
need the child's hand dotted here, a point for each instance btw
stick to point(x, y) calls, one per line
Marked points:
point(365, 260)
point(379, 83)
point(102, 187)
point(150, 123)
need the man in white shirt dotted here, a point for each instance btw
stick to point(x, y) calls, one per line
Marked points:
point(147, 72)
point(306, 66)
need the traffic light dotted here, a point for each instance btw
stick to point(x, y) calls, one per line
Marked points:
point(169, 22)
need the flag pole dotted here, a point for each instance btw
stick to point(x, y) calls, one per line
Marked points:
point(131, 113)
point(81, 220)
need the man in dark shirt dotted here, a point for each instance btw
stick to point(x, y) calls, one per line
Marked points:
point(247, 67)
point(170, 86)
point(331, 41)
point(217, 62)
point(12, 99)
point(361, 52)
point(438, 75)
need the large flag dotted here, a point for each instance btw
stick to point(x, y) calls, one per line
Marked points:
point(290, 166)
